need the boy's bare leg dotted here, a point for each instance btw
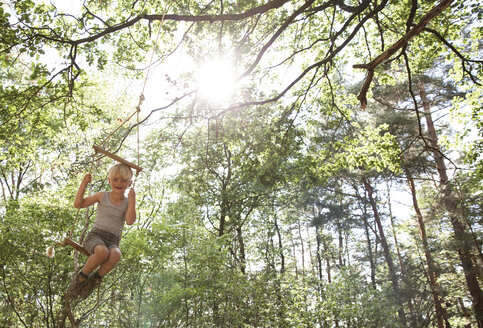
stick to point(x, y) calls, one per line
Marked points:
point(111, 262)
point(100, 255)
point(80, 282)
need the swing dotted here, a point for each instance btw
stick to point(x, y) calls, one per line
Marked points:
point(68, 310)
point(78, 247)
point(68, 241)
point(98, 149)
point(117, 158)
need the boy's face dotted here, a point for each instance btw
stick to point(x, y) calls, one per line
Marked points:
point(119, 184)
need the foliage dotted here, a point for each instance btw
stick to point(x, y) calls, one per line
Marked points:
point(274, 208)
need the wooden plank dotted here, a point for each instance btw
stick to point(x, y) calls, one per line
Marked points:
point(76, 246)
point(117, 158)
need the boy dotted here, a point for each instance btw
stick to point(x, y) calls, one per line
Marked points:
point(102, 242)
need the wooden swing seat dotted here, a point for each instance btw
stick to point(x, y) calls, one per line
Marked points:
point(76, 246)
point(117, 158)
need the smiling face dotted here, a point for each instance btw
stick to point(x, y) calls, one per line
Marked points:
point(119, 184)
point(120, 176)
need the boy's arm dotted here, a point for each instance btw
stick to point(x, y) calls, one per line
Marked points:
point(80, 201)
point(131, 207)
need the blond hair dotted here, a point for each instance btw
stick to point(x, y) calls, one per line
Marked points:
point(121, 170)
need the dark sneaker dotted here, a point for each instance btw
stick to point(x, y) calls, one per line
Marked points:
point(75, 286)
point(92, 282)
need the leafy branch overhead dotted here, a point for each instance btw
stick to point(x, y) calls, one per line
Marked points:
point(78, 36)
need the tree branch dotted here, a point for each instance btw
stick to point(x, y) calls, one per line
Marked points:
point(351, 9)
point(316, 65)
point(458, 54)
point(287, 22)
point(402, 42)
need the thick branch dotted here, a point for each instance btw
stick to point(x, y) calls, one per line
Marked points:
point(438, 9)
point(224, 17)
point(173, 17)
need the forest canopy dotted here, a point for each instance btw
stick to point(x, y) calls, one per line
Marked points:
point(307, 163)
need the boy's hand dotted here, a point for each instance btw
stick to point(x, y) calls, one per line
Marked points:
point(131, 194)
point(87, 179)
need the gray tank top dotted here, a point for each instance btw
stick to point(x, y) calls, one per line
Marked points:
point(110, 217)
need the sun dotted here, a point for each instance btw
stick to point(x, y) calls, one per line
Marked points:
point(216, 80)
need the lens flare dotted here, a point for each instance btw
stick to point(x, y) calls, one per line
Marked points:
point(216, 80)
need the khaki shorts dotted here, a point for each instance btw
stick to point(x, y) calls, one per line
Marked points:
point(100, 237)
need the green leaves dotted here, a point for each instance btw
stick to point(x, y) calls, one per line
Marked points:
point(251, 213)
point(373, 149)
point(370, 148)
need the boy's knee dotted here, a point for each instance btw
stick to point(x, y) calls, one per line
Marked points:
point(102, 252)
point(115, 255)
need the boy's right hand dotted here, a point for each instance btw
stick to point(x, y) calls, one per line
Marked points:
point(87, 179)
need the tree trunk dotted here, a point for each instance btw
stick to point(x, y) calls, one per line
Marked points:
point(432, 273)
point(369, 245)
point(302, 246)
point(327, 260)
point(319, 257)
point(294, 254)
point(241, 243)
point(385, 248)
point(463, 240)
point(329, 277)
point(371, 255)
point(400, 261)
point(280, 246)
point(341, 245)
point(309, 248)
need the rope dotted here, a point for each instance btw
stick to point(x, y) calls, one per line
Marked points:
point(138, 134)
point(155, 46)
point(50, 250)
point(146, 77)
point(115, 130)
point(78, 210)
